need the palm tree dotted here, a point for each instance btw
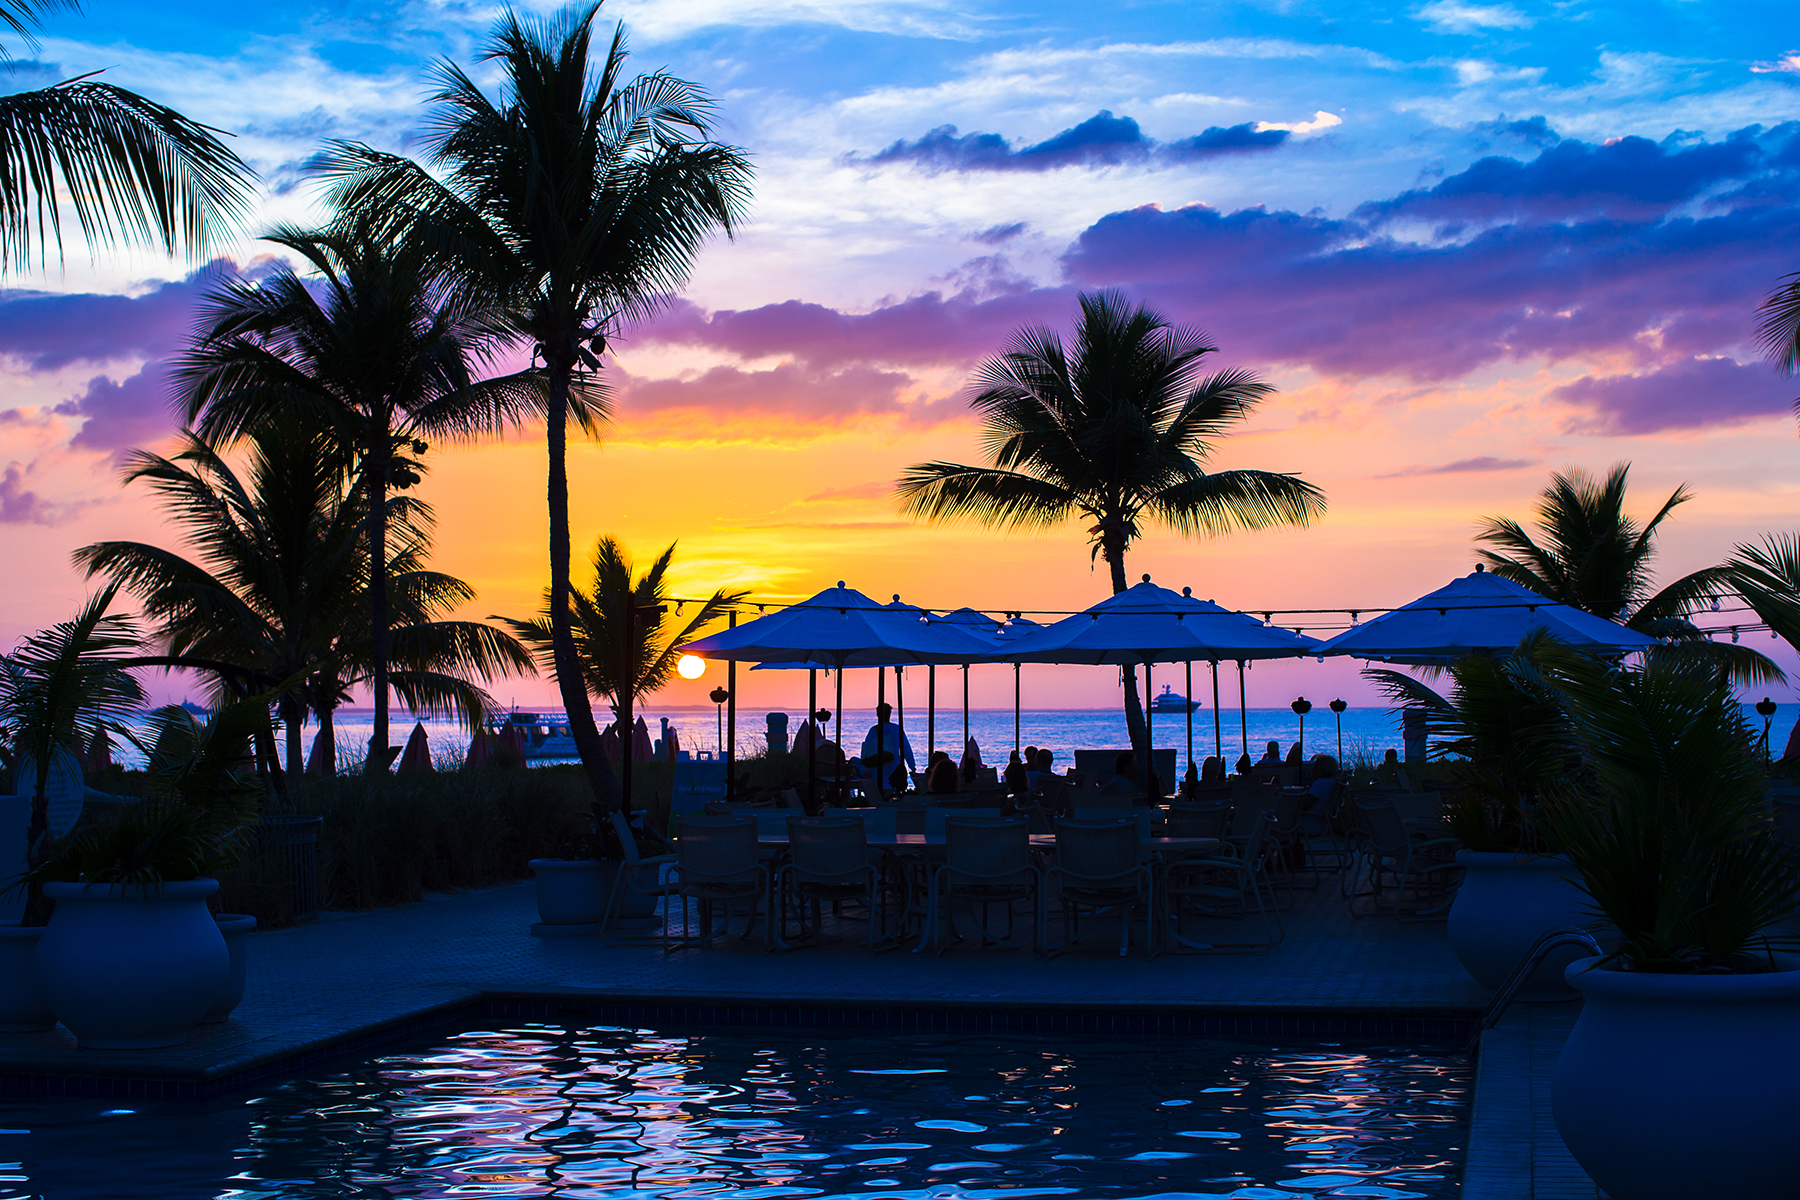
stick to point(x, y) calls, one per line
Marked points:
point(381, 349)
point(610, 663)
point(277, 599)
point(1115, 430)
point(1768, 578)
point(1594, 557)
point(128, 168)
point(59, 689)
point(1779, 329)
point(581, 198)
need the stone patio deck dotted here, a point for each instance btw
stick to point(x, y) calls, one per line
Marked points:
point(348, 985)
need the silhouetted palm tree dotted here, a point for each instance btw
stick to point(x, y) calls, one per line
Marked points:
point(382, 347)
point(1594, 557)
point(1779, 328)
point(128, 168)
point(1115, 430)
point(278, 595)
point(608, 662)
point(581, 198)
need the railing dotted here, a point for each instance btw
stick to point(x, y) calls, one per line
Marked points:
point(1508, 991)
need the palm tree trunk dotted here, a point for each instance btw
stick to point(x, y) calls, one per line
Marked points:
point(37, 847)
point(375, 474)
point(293, 714)
point(570, 679)
point(1112, 548)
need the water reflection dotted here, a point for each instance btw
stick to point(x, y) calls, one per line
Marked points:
point(543, 1111)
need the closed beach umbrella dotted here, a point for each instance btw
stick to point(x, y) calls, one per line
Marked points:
point(671, 742)
point(609, 744)
point(641, 749)
point(417, 755)
point(512, 741)
point(1480, 613)
point(480, 750)
point(322, 761)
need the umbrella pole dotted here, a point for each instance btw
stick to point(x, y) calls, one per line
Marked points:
point(840, 715)
point(880, 735)
point(731, 720)
point(1149, 736)
point(900, 715)
point(812, 739)
point(1243, 709)
point(965, 706)
point(1016, 743)
point(930, 712)
point(1188, 696)
point(626, 728)
point(1218, 737)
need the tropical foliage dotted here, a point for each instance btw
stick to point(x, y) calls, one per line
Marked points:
point(1114, 429)
point(1585, 551)
point(578, 200)
point(610, 661)
point(1667, 823)
point(277, 595)
point(1502, 734)
point(1779, 327)
point(379, 350)
point(127, 168)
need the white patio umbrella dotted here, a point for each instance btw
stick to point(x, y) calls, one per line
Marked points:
point(983, 626)
point(1146, 624)
point(840, 627)
point(1480, 613)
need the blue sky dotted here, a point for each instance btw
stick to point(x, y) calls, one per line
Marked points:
point(1470, 243)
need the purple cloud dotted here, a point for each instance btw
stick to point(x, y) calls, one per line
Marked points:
point(122, 415)
point(20, 506)
point(1465, 466)
point(1683, 395)
point(1102, 140)
point(50, 331)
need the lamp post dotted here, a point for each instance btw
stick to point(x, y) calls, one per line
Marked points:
point(719, 696)
point(1301, 707)
point(1338, 707)
point(1765, 708)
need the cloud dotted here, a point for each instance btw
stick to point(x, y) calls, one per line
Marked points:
point(1464, 466)
point(18, 506)
point(48, 331)
point(1534, 132)
point(993, 235)
point(120, 416)
point(1102, 140)
point(1788, 63)
point(1682, 395)
point(1450, 16)
point(1320, 120)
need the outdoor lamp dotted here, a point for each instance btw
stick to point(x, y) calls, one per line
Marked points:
point(719, 696)
point(1765, 708)
point(1337, 707)
point(690, 666)
point(1301, 707)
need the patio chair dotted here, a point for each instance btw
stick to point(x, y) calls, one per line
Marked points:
point(987, 861)
point(1097, 868)
point(1293, 846)
point(1219, 886)
point(1141, 816)
point(1413, 861)
point(829, 861)
point(642, 875)
point(717, 863)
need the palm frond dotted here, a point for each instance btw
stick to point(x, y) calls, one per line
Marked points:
point(1230, 500)
point(1778, 325)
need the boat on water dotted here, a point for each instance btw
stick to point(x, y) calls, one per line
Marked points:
point(1172, 702)
point(543, 737)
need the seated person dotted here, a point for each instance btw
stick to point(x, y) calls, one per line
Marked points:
point(943, 779)
point(1293, 755)
point(1243, 763)
point(828, 760)
point(1271, 756)
point(1039, 770)
point(1014, 777)
point(1124, 781)
point(1324, 778)
point(1190, 783)
point(1212, 770)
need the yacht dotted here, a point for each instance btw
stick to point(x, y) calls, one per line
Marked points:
point(1171, 702)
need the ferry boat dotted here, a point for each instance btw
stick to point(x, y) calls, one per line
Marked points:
point(1171, 702)
point(543, 738)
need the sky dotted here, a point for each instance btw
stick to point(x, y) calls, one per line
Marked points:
point(1469, 244)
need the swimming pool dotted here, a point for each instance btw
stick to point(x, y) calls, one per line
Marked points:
point(539, 1110)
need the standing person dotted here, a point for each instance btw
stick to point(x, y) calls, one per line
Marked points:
point(971, 761)
point(885, 738)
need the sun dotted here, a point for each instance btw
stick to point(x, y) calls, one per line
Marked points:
point(690, 666)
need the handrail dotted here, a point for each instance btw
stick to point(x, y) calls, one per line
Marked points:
point(1515, 980)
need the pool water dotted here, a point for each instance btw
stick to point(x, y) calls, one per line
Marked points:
point(541, 1110)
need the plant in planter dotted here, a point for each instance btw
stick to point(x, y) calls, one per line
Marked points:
point(132, 958)
point(1678, 1079)
point(1502, 736)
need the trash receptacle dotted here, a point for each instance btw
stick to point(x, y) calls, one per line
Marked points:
point(290, 846)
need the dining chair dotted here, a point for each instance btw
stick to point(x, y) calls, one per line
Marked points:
point(1412, 860)
point(1097, 869)
point(1221, 886)
point(829, 861)
point(643, 875)
point(717, 863)
point(987, 861)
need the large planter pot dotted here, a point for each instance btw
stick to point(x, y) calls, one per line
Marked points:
point(1505, 904)
point(1676, 1086)
point(129, 968)
point(22, 1006)
point(236, 929)
point(572, 896)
